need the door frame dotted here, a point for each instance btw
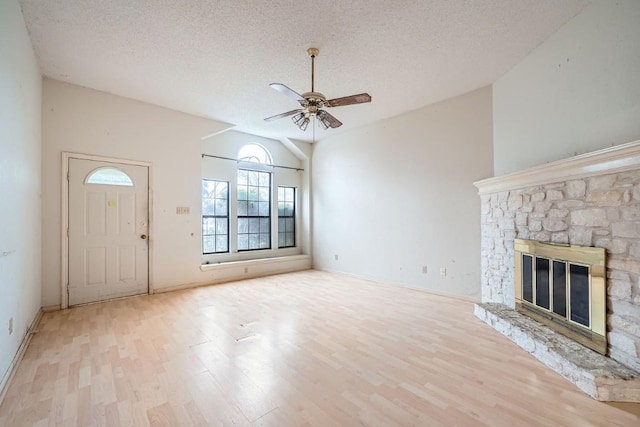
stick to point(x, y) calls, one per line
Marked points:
point(64, 223)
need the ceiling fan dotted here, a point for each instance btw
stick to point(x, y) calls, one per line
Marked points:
point(312, 103)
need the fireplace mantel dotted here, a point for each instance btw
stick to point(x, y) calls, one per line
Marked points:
point(619, 158)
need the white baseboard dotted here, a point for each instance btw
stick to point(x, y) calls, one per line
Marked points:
point(399, 285)
point(15, 363)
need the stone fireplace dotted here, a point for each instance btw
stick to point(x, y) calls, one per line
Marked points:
point(591, 200)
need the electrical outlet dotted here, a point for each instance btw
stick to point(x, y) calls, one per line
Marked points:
point(10, 326)
point(246, 269)
point(182, 210)
point(443, 271)
point(336, 257)
point(424, 269)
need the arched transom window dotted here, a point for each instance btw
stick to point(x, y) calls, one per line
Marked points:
point(254, 153)
point(109, 176)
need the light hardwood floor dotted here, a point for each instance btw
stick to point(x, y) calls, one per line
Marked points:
point(301, 349)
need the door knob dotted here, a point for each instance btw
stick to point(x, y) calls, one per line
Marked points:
point(143, 237)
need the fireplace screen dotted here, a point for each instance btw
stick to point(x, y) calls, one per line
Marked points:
point(563, 287)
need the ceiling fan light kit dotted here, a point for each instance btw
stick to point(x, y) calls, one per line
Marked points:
point(301, 120)
point(313, 102)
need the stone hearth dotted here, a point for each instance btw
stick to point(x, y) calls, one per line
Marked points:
point(600, 377)
point(587, 200)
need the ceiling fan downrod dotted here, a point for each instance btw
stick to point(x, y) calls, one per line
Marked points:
point(312, 52)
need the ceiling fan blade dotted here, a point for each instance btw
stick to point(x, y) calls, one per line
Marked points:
point(287, 114)
point(333, 122)
point(287, 91)
point(360, 98)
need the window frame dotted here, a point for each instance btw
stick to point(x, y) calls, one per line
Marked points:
point(292, 216)
point(259, 217)
point(227, 216)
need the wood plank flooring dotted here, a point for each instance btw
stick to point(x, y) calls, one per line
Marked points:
point(301, 349)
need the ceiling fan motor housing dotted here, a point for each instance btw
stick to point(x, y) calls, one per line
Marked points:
point(313, 101)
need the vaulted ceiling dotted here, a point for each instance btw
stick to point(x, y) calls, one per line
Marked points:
point(216, 58)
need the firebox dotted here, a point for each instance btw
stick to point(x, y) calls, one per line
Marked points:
point(563, 287)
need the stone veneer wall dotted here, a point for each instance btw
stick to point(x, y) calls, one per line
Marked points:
point(601, 211)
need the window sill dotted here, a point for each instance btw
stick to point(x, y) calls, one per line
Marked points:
point(227, 257)
point(253, 262)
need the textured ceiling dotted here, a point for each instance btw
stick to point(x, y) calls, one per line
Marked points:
point(216, 58)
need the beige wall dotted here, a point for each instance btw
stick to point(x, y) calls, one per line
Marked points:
point(80, 120)
point(398, 195)
point(577, 92)
point(86, 121)
point(20, 99)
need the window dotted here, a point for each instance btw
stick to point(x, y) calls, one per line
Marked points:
point(109, 176)
point(215, 216)
point(286, 217)
point(254, 153)
point(249, 209)
point(254, 210)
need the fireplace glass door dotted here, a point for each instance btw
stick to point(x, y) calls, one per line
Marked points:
point(557, 286)
point(563, 287)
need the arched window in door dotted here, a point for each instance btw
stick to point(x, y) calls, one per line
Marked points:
point(109, 176)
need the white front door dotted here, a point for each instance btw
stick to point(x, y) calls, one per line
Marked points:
point(108, 227)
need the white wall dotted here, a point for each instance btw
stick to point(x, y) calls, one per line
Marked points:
point(20, 107)
point(577, 92)
point(398, 195)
